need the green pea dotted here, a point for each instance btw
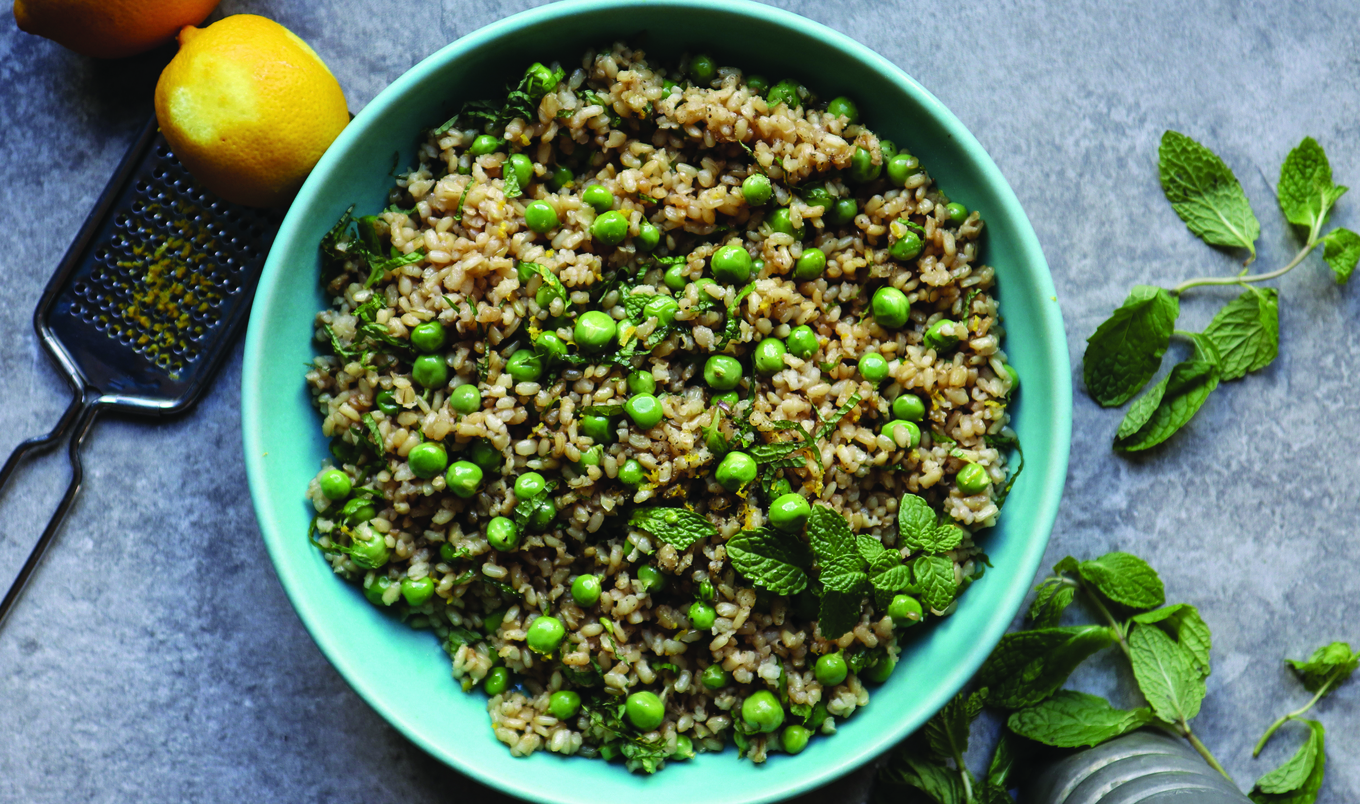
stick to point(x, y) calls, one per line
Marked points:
point(706, 591)
point(843, 107)
point(756, 189)
point(684, 748)
point(632, 474)
point(905, 611)
point(662, 308)
point(610, 752)
point(430, 371)
point(831, 669)
point(543, 516)
point(873, 367)
point(502, 534)
point(497, 681)
point(649, 237)
point(1015, 378)
point(701, 294)
point(357, 511)
point(702, 616)
point(427, 459)
point(785, 91)
point(545, 294)
point(465, 399)
point(598, 428)
point(484, 144)
point(731, 264)
point(862, 167)
point(702, 68)
point(729, 397)
point(524, 366)
point(545, 634)
point(491, 623)
point(779, 222)
point(675, 278)
point(644, 410)
point(722, 373)
point(585, 590)
point(595, 330)
point(759, 84)
point(429, 336)
point(758, 267)
point(559, 178)
point(842, 212)
point(789, 512)
point(909, 407)
point(610, 228)
point(761, 711)
point(541, 217)
point(902, 167)
point(715, 677)
point(668, 86)
point(529, 484)
point(343, 451)
point(564, 704)
point(794, 739)
point(802, 342)
point(880, 671)
point(958, 213)
point(815, 194)
point(463, 478)
point(810, 265)
point(370, 553)
point(641, 382)
point(591, 457)
point(417, 592)
point(645, 710)
point(550, 346)
point(335, 484)
point(912, 438)
point(387, 402)
point(890, 307)
point(888, 148)
point(486, 457)
point(906, 247)
point(523, 169)
point(973, 479)
point(378, 588)
point(598, 197)
point(651, 578)
point(448, 552)
point(940, 335)
point(736, 470)
point(769, 356)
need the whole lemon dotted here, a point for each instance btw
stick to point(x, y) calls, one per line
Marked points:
point(248, 108)
point(109, 29)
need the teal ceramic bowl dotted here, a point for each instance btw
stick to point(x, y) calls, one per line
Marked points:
point(403, 673)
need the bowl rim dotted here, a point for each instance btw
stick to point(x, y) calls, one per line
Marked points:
point(1048, 317)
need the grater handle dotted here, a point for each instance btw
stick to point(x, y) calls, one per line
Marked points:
point(81, 413)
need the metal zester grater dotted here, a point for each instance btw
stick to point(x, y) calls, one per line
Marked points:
point(144, 306)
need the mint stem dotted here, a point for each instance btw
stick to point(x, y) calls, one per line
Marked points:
point(1256, 752)
point(1109, 618)
point(1203, 750)
point(1242, 280)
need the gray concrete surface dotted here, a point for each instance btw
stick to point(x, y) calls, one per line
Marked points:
point(155, 657)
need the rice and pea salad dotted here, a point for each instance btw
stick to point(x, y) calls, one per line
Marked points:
point(668, 400)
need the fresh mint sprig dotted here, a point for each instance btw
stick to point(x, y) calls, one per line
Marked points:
point(1125, 352)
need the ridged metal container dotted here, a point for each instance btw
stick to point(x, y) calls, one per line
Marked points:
point(1146, 767)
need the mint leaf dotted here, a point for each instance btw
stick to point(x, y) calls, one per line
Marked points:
point(1295, 773)
point(834, 421)
point(1306, 190)
point(1335, 663)
point(1073, 719)
point(549, 278)
point(894, 579)
point(1205, 194)
point(1165, 674)
point(1183, 622)
point(1125, 351)
point(869, 548)
point(771, 560)
point(377, 268)
point(845, 574)
point(935, 782)
point(678, 527)
point(915, 520)
point(1341, 250)
point(1055, 595)
point(829, 533)
point(1028, 666)
point(839, 612)
point(1247, 332)
point(947, 732)
point(1126, 579)
point(935, 577)
point(1170, 404)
